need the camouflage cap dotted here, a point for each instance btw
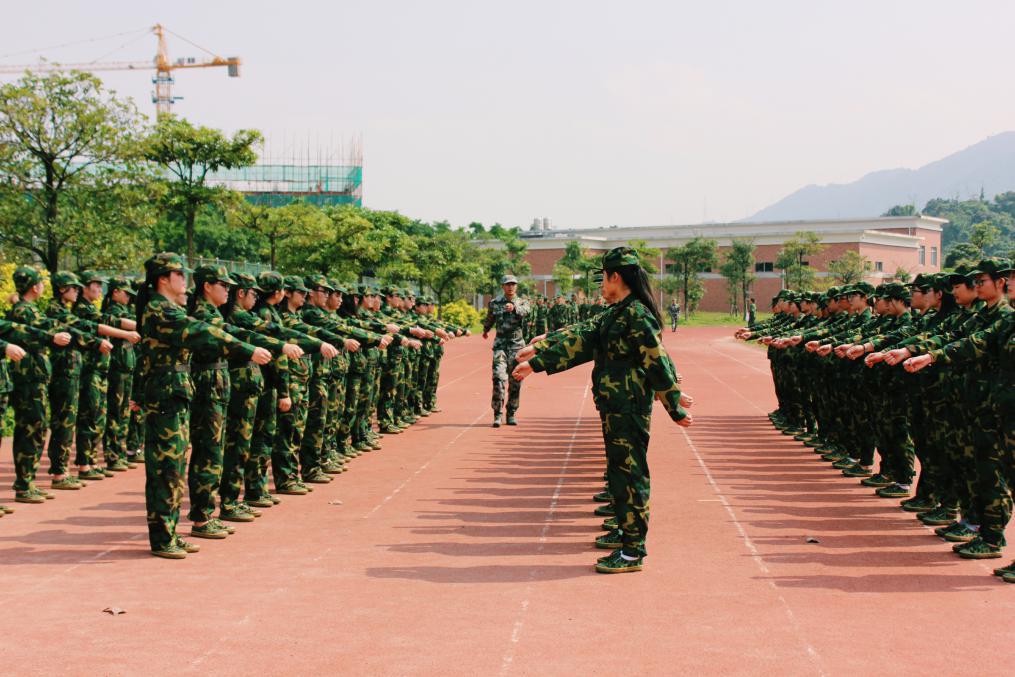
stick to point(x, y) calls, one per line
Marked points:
point(896, 291)
point(620, 256)
point(993, 266)
point(508, 279)
point(211, 273)
point(26, 277)
point(166, 262)
point(865, 288)
point(1007, 268)
point(960, 275)
point(942, 282)
point(317, 281)
point(920, 280)
point(366, 290)
point(89, 276)
point(270, 281)
point(64, 278)
point(123, 283)
point(879, 291)
point(409, 293)
point(338, 286)
point(295, 283)
point(246, 281)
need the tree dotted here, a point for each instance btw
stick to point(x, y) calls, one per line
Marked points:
point(797, 273)
point(901, 210)
point(849, 269)
point(738, 269)
point(984, 236)
point(257, 219)
point(449, 264)
point(310, 239)
point(698, 255)
point(67, 146)
point(648, 257)
point(903, 275)
point(962, 253)
point(188, 154)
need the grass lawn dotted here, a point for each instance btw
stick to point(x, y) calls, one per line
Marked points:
point(713, 319)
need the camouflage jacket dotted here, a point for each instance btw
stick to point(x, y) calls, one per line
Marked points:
point(89, 312)
point(984, 350)
point(510, 325)
point(631, 365)
point(31, 339)
point(167, 338)
point(123, 358)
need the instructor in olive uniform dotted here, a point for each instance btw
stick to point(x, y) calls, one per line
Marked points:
point(508, 314)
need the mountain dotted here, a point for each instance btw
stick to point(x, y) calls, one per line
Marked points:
point(989, 164)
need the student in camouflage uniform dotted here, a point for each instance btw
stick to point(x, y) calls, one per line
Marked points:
point(32, 343)
point(117, 307)
point(632, 370)
point(507, 314)
point(166, 389)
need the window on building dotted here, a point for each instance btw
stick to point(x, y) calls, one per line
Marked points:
point(933, 256)
point(867, 265)
point(764, 267)
point(879, 266)
point(923, 255)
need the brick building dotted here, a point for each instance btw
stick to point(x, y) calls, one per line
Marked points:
point(889, 243)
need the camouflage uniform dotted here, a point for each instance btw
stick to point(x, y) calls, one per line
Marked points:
point(631, 370)
point(168, 337)
point(121, 376)
point(506, 344)
point(92, 396)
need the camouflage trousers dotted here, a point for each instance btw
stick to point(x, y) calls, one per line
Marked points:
point(246, 385)
point(960, 458)
point(167, 428)
point(255, 472)
point(207, 438)
point(503, 364)
point(347, 428)
point(995, 463)
point(367, 402)
point(30, 422)
point(135, 431)
point(114, 439)
point(289, 436)
point(311, 444)
point(894, 442)
point(626, 437)
point(336, 434)
point(391, 371)
point(91, 415)
point(63, 411)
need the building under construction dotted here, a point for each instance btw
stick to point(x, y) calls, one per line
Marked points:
point(315, 178)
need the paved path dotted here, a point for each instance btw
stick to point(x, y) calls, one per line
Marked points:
point(459, 549)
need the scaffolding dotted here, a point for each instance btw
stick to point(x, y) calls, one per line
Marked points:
point(308, 175)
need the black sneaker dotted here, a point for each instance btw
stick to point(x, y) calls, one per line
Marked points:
point(606, 511)
point(616, 564)
point(511, 420)
point(611, 541)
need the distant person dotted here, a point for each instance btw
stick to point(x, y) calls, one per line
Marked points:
point(507, 314)
point(674, 312)
point(752, 312)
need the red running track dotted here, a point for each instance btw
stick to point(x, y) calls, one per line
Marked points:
point(459, 549)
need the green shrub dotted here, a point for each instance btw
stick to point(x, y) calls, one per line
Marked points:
point(460, 313)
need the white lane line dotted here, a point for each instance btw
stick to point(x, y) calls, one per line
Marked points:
point(812, 653)
point(423, 467)
point(463, 376)
point(516, 630)
point(725, 354)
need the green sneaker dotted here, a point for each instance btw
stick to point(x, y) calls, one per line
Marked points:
point(961, 534)
point(609, 524)
point(825, 449)
point(802, 437)
point(28, 497)
point(208, 530)
point(1008, 578)
point(980, 550)
point(171, 551)
point(603, 497)
point(918, 504)
point(246, 507)
point(878, 480)
point(606, 511)
point(317, 477)
point(394, 430)
point(511, 420)
point(332, 468)
point(814, 442)
point(274, 500)
point(363, 447)
point(1002, 571)
point(118, 466)
point(959, 546)
point(948, 528)
point(236, 515)
point(893, 491)
point(611, 541)
point(92, 475)
point(292, 489)
point(858, 470)
point(261, 502)
point(939, 516)
point(616, 564)
point(834, 456)
point(606, 558)
point(228, 527)
point(845, 463)
point(6, 510)
point(188, 547)
point(68, 483)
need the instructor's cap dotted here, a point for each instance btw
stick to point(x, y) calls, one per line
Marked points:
point(508, 279)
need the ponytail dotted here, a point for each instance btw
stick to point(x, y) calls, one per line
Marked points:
point(637, 281)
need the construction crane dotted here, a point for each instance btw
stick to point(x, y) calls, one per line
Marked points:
point(162, 96)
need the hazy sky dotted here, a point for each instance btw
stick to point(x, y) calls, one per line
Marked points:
point(589, 113)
